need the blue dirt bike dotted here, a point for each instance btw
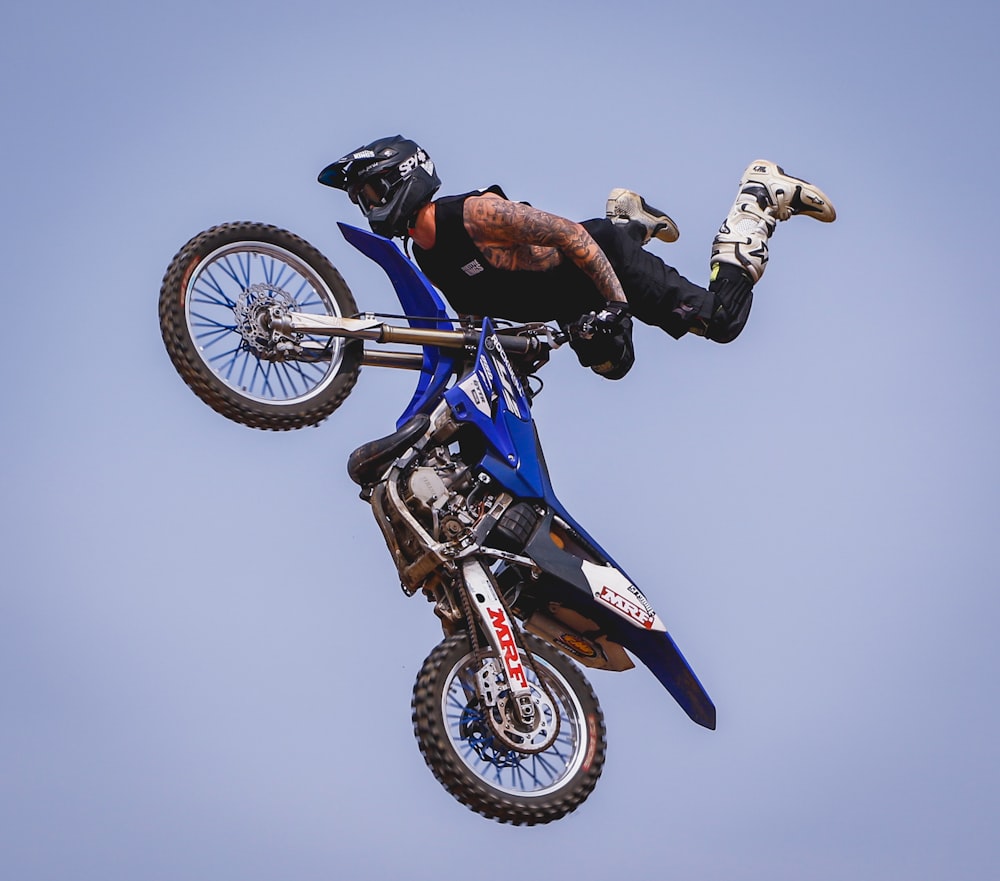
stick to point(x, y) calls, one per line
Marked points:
point(265, 331)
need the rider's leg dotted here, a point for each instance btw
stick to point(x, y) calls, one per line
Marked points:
point(662, 297)
point(766, 195)
point(739, 251)
point(657, 293)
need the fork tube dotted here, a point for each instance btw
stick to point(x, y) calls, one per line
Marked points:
point(399, 360)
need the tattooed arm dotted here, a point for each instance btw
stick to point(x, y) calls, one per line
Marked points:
point(516, 236)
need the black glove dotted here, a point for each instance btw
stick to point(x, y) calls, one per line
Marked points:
point(602, 340)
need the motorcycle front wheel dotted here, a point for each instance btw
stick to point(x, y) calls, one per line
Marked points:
point(217, 294)
point(480, 771)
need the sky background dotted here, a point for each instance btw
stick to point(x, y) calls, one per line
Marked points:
point(205, 658)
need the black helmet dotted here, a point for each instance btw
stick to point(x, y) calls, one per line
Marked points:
point(389, 180)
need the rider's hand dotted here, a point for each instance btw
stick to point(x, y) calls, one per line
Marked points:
point(606, 320)
point(602, 340)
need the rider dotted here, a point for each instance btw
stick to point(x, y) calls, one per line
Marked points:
point(491, 256)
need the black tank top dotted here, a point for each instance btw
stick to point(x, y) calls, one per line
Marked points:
point(473, 287)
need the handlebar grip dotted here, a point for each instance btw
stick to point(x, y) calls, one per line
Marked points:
point(518, 345)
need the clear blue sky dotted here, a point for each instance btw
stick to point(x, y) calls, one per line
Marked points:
point(205, 660)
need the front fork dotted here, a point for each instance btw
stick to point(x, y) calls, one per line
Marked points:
point(524, 717)
point(290, 328)
point(289, 331)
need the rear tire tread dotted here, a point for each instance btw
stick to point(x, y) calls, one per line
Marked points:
point(199, 377)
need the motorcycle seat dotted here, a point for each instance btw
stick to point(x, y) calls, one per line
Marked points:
point(366, 464)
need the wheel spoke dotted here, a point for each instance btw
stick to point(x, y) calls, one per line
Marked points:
point(308, 299)
point(226, 360)
point(212, 334)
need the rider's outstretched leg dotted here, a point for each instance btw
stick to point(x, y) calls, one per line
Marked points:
point(740, 250)
point(657, 293)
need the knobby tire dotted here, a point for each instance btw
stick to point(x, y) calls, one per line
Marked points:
point(300, 394)
point(479, 787)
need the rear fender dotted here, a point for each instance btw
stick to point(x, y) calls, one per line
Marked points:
point(580, 575)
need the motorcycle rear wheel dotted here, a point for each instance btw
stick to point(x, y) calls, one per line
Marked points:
point(491, 779)
point(214, 289)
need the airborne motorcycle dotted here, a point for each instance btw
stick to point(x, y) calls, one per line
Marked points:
point(264, 330)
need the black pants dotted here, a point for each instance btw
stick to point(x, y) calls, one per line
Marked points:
point(660, 296)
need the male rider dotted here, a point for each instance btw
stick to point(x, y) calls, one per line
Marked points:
point(491, 256)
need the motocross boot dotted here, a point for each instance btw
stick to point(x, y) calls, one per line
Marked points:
point(766, 195)
point(625, 206)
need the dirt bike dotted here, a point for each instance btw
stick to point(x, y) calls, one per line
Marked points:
point(266, 332)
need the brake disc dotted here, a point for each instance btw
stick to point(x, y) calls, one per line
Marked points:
point(257, 308)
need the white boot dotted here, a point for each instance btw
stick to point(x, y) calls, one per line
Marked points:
point(625, 205)
point(766, 196)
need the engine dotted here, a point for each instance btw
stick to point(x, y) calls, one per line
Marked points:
point(436, 491)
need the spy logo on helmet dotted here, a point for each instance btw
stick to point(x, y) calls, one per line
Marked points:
point(418, 160)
